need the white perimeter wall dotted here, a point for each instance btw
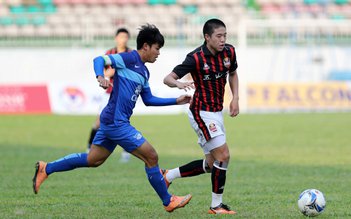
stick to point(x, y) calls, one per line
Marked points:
point(260, 64)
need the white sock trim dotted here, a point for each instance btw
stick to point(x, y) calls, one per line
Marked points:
point(218, 167)
point(173, 174)
point(216, 199)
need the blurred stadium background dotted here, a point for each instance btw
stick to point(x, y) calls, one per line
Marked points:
point(292, 54)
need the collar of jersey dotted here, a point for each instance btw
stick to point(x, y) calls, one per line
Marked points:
point(206, 51)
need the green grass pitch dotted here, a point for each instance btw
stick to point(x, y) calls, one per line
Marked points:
point(274, 157)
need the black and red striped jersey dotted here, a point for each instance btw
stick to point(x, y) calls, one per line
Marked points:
point(209, 73)
point(110, 52)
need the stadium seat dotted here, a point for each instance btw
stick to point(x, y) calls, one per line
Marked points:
point(43, 31)
point(18, 9)
point(27, 30)
point(4, 11)
point(190, 9)
point(45, 2)
point(5, 21)
point(13, 2)
point(33, 9)
point(12, 30)
point(49, 9)
point(341, 2)
point(22, 20)
point(168, 15)
point(38, 20)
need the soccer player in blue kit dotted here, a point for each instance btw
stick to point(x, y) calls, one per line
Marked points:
point(130, 80)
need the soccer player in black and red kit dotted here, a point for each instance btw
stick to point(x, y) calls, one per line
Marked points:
point(209, 65)
point(121, 41)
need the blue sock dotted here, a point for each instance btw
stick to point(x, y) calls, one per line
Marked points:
point(68, 162)
point(157, 182)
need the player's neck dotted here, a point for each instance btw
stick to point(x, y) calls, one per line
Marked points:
point(121, 49)
point(142, 55)
point(212, 51)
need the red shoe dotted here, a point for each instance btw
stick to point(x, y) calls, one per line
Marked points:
point(40, 176)
point(177, 202)
point(164, 174)
point(221, 209)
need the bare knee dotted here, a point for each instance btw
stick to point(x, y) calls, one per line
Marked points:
point(97, 156)
point(151, 159)
point(95, 163)
point(221, 154)
point(225, 157)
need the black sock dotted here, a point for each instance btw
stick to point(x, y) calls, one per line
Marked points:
point(193, 168)
point(92, 136)
point(218, 176)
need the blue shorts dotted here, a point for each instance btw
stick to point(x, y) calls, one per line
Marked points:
point(124, 135)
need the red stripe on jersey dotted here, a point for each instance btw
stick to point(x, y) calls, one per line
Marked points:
point(214, 94)
point(196, 78)
point(220, 82)
point(204, 60)
point(201, 88)
point(197, 62)
point(220, 61)
point(232, 53)
point(207, 82)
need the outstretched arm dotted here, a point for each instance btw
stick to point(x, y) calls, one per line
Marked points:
point(234, 87)
point(99, 66)
point(171, 80)
point(150, 100)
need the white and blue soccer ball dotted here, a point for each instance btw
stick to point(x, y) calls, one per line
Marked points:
point(311, 202)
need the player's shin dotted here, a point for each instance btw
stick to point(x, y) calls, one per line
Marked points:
point(218, 177)
point(157, 182)
point(67, 163)
point(193, 168)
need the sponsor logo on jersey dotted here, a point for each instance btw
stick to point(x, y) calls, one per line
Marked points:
point(206, 67)
point(207, 78)
point(212, 127)
point(136, 93)
point(226, 62)
point(138, 136)
point(218, 75)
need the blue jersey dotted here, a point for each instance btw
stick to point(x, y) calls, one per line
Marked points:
point(130, 79)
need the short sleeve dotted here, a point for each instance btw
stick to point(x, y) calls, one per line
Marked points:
point(188, 65)
point(233, 60)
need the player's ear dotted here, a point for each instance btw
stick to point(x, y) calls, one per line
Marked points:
point(146, 47)
point(207, 37)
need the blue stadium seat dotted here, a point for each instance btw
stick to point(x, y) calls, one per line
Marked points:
point(22, 20)
point(5, 21)
point(190, 9)
point(17, 9)
point(38, 20)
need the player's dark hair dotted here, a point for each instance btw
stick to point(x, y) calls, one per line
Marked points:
point(211, 25)
point(149, 34)
point(122, 30)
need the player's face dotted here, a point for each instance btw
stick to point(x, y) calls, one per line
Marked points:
point(122, 39)
point(217, 40)
point(153, 52)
